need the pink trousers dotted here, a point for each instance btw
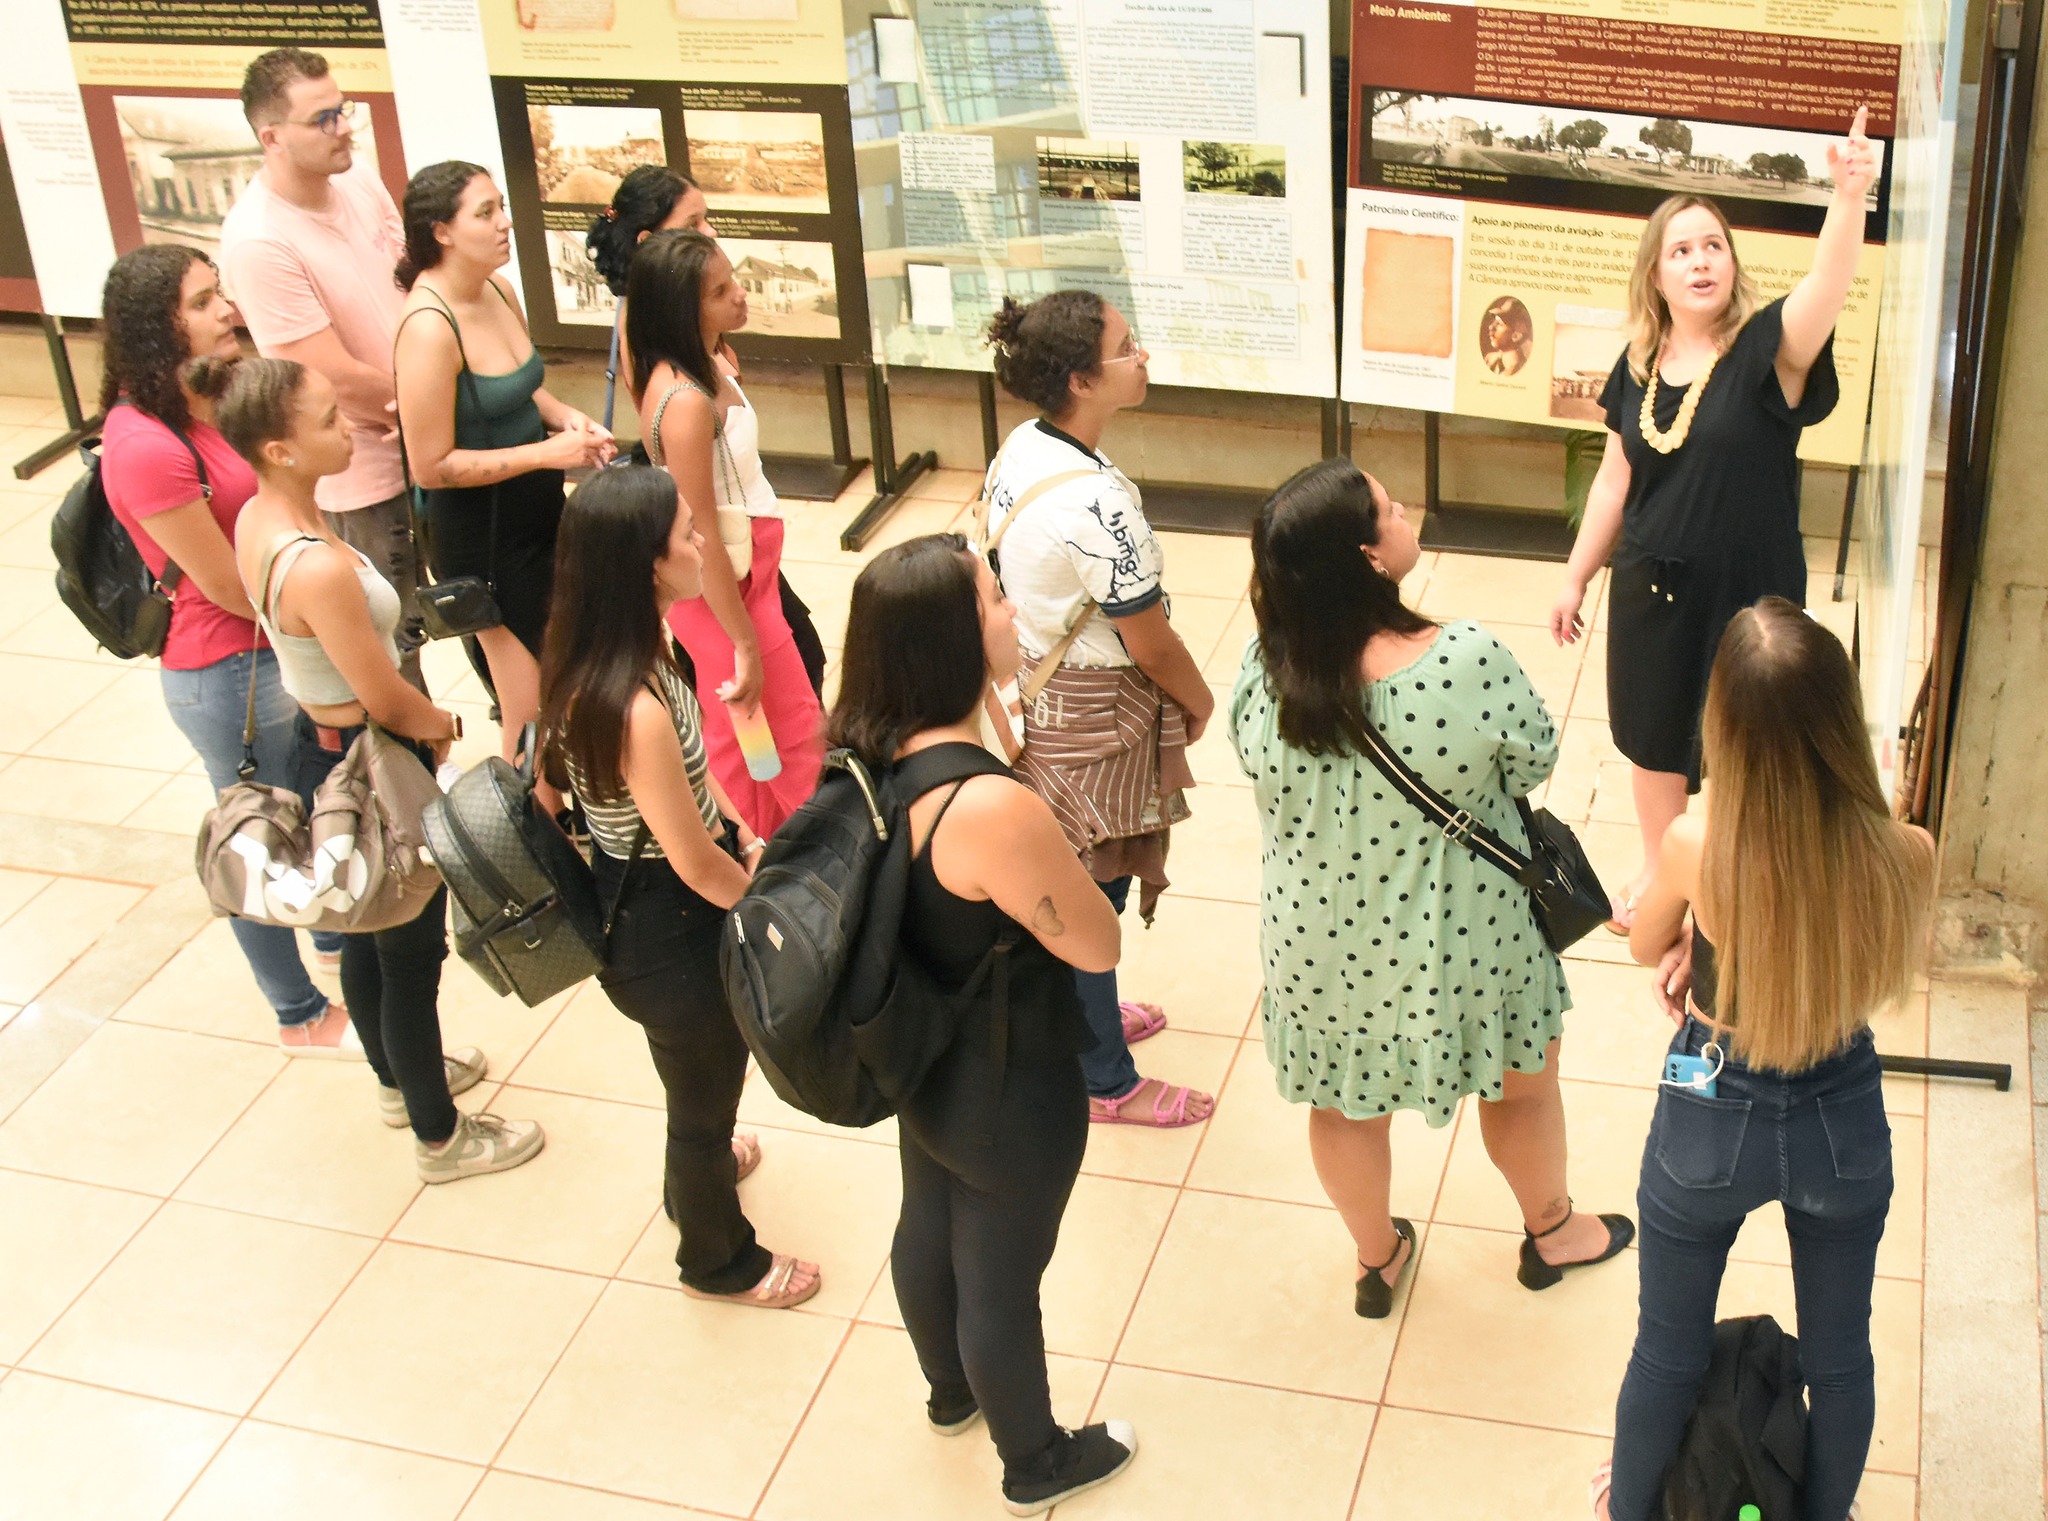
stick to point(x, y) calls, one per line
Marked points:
point(787, 701)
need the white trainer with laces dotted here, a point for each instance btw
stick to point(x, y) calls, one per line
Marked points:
point(482, 1143)
point(466, 1068)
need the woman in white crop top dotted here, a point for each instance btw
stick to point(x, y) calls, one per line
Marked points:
point(682, 302)
point(331, 616)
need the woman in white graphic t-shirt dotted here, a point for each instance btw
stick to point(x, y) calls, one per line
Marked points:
point(1084, 569)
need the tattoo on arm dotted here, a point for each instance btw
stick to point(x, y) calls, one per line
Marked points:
point(1045, 920)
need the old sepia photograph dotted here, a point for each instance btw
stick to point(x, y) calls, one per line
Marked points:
point(189, 159)
point(1583, 347)
point(1659, 153)
point(770, 161)
point(789, 286)
point(1233, 168)
point(1087, 169)
point(582, 152)
point(581, 295)
point(1506, 335)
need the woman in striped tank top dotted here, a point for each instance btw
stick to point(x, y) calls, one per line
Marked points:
point(622, 729)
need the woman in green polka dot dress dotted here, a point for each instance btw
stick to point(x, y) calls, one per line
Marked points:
point(1402, 972)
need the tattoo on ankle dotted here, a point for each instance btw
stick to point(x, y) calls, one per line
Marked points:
point(1045, 920)
point(1556, 1209)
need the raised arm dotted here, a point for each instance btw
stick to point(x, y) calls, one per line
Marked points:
point(1816, 301)
point(1599, 532)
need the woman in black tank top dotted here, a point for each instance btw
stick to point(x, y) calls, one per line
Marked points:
point(1000, 907)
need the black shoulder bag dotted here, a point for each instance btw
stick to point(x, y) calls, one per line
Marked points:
point(1563, 887)
point(461, 605)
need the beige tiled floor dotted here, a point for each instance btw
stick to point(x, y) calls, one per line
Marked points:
point(223, 1294)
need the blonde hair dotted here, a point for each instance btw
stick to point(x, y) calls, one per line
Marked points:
point(1820, 902)
point(1649, 317)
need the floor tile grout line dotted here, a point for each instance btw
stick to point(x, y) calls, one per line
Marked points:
point(1180, 1190)
point(526, 1409)
point(803, 1416)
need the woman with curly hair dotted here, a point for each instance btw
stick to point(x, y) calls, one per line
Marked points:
point(178, 488)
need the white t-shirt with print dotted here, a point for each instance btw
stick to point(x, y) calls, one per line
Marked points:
point(1084, 540)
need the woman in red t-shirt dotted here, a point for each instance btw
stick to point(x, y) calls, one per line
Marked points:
point(177, 488)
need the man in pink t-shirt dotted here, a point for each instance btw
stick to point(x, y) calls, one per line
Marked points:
point(307, 254)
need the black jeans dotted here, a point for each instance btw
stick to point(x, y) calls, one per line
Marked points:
point(979, 1225)
point(1818, 1144)
point(662, 973)
point(391, 980)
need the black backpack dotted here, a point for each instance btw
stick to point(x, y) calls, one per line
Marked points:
point(845, 1023)
point(1746, 1442)
point(522, 901)
point(101, 575)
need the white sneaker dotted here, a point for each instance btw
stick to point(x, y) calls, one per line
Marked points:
point(466, 1068)
point(482, 1143)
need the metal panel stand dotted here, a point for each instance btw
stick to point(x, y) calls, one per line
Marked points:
point(1469, 528)
point(891, 479)
point(1848, 530)
point(1998, 1074)
point(81, 427)
point(817, 478)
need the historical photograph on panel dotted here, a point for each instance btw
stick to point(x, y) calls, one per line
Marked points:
point(772, 161)
point(1233, 168)
point(1087, 169)
point(567, 15)
point(582, 152)
point(1506, 335)
point(788, 284)
point(581, 296)
point(1659, 153)
point(1583, 348)
point(189, 159)
point(735, 10)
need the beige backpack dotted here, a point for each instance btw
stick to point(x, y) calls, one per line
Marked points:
point(358, 864)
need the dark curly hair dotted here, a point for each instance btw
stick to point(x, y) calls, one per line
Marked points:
point(146, 348)
point(431, 197)
point(642, 203)
point(1040, 348)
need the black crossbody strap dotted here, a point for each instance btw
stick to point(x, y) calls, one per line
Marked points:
point(476, 399)
point(1456, 823)
point(611, 910)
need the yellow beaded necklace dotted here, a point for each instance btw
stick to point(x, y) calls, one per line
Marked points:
point(1681, 426)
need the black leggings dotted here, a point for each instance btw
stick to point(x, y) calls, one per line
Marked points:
point(662, 973)
point(391, 980)
point(979, 1225)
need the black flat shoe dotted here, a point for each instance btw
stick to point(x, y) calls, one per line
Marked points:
point(1375, 1295)
point(1535, 1273)
point(952, 1415)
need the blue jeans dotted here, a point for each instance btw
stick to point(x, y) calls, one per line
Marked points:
point(1109, 1069)
point(1818, 1144)
point(209, 706)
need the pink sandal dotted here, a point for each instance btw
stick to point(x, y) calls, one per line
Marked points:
point(773, 1292)
point(1141, 1021)
point(1169, 1107)
point(746, 1154)
point(1601, 1486)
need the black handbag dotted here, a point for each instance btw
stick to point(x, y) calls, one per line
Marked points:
point(1563, 887)
point(461, 605)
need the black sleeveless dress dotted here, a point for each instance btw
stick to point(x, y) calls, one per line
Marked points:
point(1705, 532)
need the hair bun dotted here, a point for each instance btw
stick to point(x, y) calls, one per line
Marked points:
point(209, 376)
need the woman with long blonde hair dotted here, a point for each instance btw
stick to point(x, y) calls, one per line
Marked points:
point(1697, 498)
point(1809, 909)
